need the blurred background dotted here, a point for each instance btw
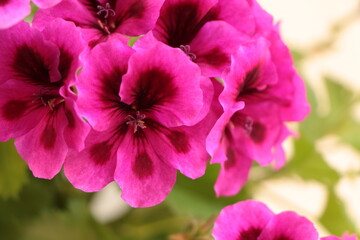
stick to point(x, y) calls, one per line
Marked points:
point(320, 181)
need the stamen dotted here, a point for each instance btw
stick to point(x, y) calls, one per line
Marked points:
point(136, 121)
point(53, 102)
point(186, 50)
point(107, 9)
point(42, 92)
point(48, 98)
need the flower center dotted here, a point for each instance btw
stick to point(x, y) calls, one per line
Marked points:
point(137, 121)
point(105, 13)
point(48, 97)
point(186, 50)
point(107, 10)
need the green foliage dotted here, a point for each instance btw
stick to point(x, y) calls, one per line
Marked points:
point(310, 165)
point(335, 208)
point(13, 171)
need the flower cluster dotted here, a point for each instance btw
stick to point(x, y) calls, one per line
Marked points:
point(252, 220)
point(73, 93)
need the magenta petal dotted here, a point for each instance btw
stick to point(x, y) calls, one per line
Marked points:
point(137, 16)
point(99, 83)
point(242, 221)
point(74, 11)
point(289, 225)
point(19, 113)
point(13, 11)
point(77, 129)
point(27, 57)
point(251, 71)
point(216, 142)
point(98, 20)
point(163, 78)
point(144, 178)
point(93, 168)
point(299, 107)
point(180, 20)
point(213, 45)
point(68, 39)
point(44, 147)
point(184, 147)
point(263, 20)
point(239, 14)
point(268, 131)
point(233, 174)
point(290, 90)
point(46, 3)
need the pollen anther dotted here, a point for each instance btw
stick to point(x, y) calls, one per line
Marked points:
point(107, 9)
point(137, 121)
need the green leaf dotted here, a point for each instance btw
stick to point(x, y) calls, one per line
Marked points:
point(340, 97)
point(73, 223)
point(190, 203)
point(197, 197)
point(310, 165)
point(341, 101)
point(13, 171)
point(335, 218)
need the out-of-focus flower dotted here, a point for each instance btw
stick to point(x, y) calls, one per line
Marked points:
point(252, 220)
point(262, 91)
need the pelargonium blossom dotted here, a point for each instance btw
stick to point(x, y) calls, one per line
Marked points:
point(262, 91)
point(37, 106)
point(195, 28)
point(101, 19)
point(252, 220)
point(146, 109)
point(13, 11)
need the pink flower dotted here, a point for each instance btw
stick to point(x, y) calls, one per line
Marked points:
point(145, 108)
point(102, 19)
point(252, 220)
point(13, 11)
point(195, 28)
point(262, 91)
point(36, 103)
